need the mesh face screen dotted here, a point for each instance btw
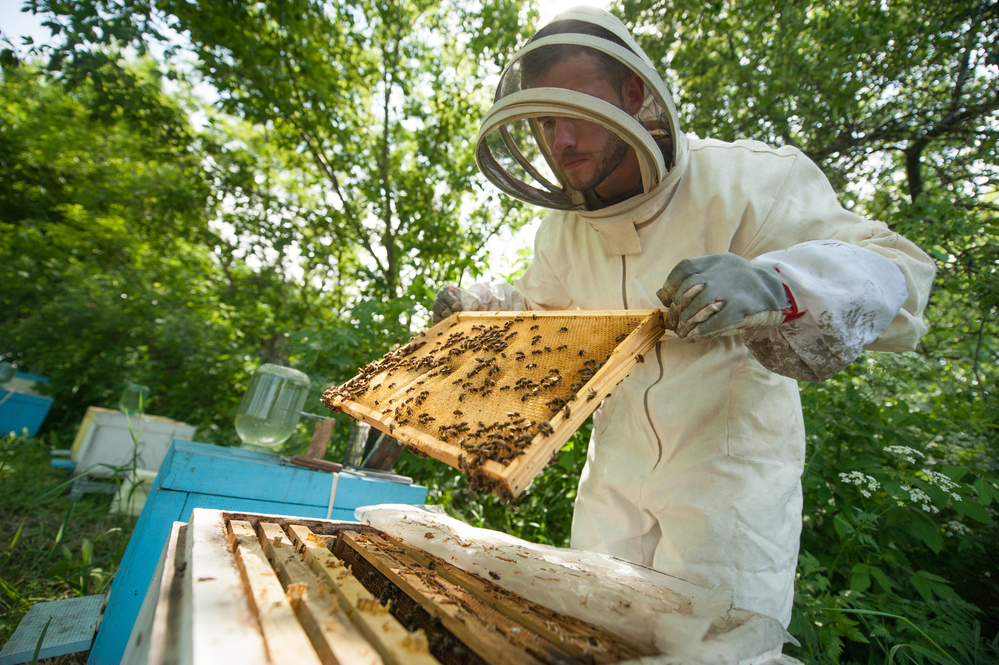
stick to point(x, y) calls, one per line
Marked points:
point(488, 385)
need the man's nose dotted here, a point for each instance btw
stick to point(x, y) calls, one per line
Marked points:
point(564, 134)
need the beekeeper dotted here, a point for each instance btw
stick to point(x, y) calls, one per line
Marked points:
point(695, 461)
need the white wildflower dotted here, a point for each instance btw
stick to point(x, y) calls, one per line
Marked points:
point(958, 528)
point(943, 482)
point(918, 496)
point(906, 452)
point(861, 479)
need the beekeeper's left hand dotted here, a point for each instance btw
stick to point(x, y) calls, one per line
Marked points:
point(717, 294)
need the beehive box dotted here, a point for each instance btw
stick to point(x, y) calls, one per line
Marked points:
point(497, 394)
point(266, 589)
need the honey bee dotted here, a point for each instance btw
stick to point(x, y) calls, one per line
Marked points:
point(620, 337)
point(640, 358)
point(531, 365)
point(563, 329)
point(458, 412)
point(582, 352)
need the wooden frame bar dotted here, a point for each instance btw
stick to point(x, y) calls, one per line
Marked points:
point(492, 636)
point(579, 640)
point(284, 637)
point(394, 643)
point(334, 637)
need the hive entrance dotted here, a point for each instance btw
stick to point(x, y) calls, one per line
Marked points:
point(497, 394)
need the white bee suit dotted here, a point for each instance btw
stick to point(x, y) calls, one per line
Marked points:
point(695, 461)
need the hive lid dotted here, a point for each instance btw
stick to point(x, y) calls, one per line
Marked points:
point(498, 394)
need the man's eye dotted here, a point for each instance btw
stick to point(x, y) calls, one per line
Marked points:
point(546, 122)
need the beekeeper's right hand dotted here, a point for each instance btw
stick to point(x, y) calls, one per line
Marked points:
point(451, 299)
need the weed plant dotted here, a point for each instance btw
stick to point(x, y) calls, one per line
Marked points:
point(51, 548)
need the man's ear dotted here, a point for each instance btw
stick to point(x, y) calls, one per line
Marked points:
point(633, 93)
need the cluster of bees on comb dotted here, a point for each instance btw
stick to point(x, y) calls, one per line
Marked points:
point(489, 388)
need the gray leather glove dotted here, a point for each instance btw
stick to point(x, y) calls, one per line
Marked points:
point(451, 299)
point(713, 295)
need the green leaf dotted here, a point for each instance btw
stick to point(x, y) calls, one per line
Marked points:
point(945, 592)
point(971, 508)
point(985, 492)
point(860, 581)
point(923, 586)
point(935, 656)
point(41, 640)
point(922, 528)
point(843, 527)
point(955, 473)
point(880, 577)
point(926, 575)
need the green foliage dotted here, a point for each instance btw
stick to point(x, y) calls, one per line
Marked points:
point(378, 100)
point(50, 548)
point(899, 518)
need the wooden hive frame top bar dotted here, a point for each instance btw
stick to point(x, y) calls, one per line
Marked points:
point(498, 394)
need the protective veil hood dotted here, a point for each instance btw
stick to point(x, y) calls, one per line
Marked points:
point(516, 154)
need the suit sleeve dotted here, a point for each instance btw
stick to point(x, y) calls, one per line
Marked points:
point(858, 284)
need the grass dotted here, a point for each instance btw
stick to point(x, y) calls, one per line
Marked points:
point(51, 548)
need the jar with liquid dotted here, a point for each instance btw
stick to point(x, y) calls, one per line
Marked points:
point(268, 413)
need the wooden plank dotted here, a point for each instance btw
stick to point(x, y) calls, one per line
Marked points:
point(333, 636)
point(137, 649)
point(395, 644)
point(493, 637)
point(285, 637)
point(165, 640)
point(580, 640)
point(226, 629)
point(69, 625)
point(320, 438)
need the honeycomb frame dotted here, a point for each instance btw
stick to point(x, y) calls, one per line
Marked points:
point(497, 394)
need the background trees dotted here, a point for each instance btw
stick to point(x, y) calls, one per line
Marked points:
point(309, 213)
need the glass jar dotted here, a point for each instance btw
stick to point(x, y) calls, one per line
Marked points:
point(134, 399)
point(268, 413)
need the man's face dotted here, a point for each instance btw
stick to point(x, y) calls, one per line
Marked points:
point(589, 155)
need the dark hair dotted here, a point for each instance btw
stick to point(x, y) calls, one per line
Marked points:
point(535, 63)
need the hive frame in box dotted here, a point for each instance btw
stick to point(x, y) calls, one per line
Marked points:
point(510, 480)
point(250, 588)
